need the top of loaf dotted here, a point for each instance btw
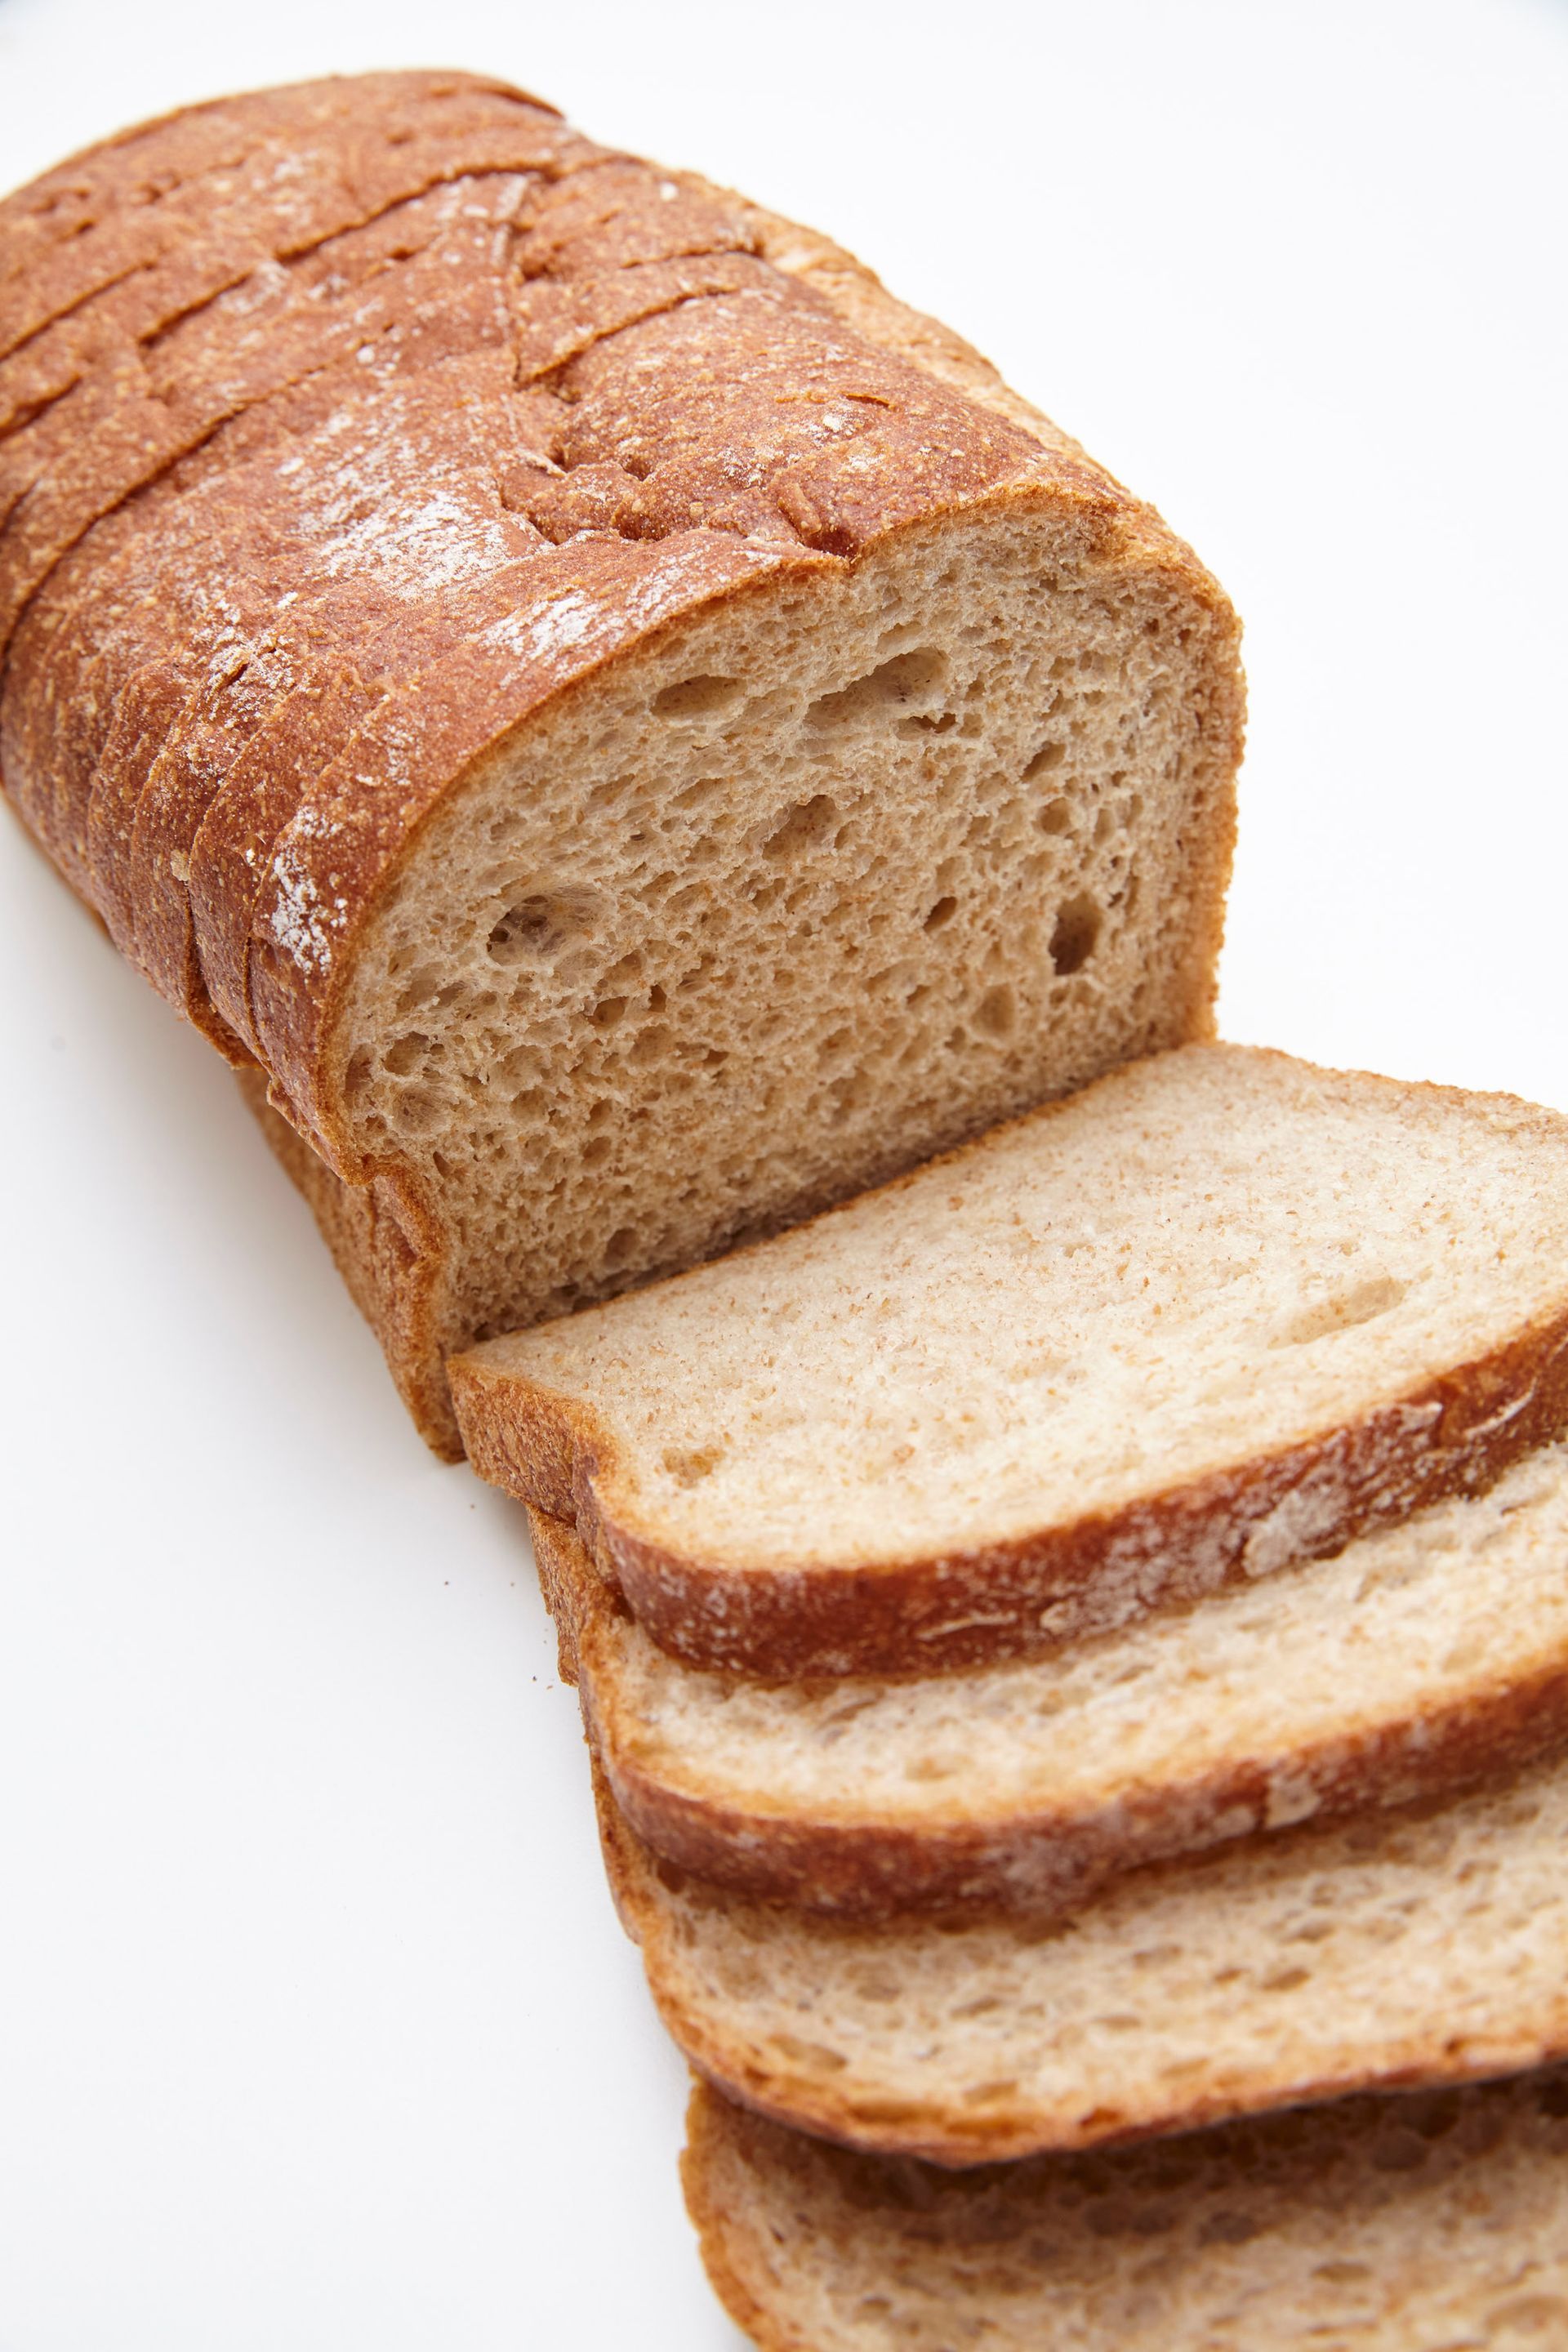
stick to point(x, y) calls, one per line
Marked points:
point(317, 399)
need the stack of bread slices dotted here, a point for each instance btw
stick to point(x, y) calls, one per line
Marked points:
point(1075, 1647)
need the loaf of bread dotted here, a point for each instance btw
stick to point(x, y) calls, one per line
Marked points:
point(1420, 1657)
point(1214, 1314)
point(627, 734)
point(1436, 2222)
point(1424, 1946)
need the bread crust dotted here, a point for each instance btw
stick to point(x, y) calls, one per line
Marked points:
point(229, 533)
point(128, 204)
point(850, 1862)
point(128, 402)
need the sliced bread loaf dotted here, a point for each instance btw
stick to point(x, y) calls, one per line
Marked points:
point(1429, 2222)
point(1220, 1311)
point(1421, 1946)
point(634, 732)
point(1420, 1656)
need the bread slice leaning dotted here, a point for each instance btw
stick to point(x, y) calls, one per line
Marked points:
point(1418, 1946)
point(1218, 1312)
point(1421, 1656)
point(1399, 2224)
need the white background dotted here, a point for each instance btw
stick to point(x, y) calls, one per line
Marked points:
point(316, 2028)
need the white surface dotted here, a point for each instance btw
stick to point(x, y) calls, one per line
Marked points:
point(316, 2030)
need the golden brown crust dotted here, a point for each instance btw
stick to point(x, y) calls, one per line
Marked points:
point(234, 535)
point(1047, 1858)
point(129, 204)
point(335, 283)
point(226, 727)
point(156, 353)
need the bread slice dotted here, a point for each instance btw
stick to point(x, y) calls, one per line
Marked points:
point(1221, 1311)
point(635, 733)
point(1429, 2222)
point(1419, 1946)
point(1423, 1656)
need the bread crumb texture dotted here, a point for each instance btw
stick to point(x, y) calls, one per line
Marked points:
point(636, 734)
point(1427, 2222)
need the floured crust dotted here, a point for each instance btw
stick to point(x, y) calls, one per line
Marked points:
point(110, 371)
point(905, 1812)
point(1391, 1951)
point(861, 299)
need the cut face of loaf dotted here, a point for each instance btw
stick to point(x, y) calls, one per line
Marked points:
point(768, 916)
point(1418, 1948)
point(1422, 1655)
point(631, 732)
point(1221, 1311)
point(1376, 2225)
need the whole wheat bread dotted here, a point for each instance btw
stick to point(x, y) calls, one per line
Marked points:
point(1416, 1947)
point(631, 732)
point(1420, 1656)
point(1219, 1311)
point(1427, 2222)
